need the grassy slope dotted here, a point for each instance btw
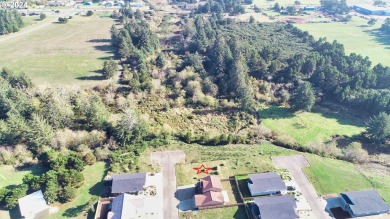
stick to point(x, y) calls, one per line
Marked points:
point(60, 53)
point(355, 36)
point(310, 126)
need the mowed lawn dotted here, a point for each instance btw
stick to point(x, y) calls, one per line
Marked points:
point(69, 53)
point(334, 176)
point(356, 37)
point(308, 127)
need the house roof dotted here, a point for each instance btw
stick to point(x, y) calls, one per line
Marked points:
point(266, 182)
point(210, 182)
point(209, 197)
point(122, 207)
point(367, 201)
point(31, 204)
point(281, 207)
point(122, 183)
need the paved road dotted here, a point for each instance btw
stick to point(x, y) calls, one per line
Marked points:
point(295, 164)
point(168, 159)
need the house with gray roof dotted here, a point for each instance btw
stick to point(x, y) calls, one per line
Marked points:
point(133, 183)
point(269, 183)
point(363, 203)
point(280, 207)
point(122, 207)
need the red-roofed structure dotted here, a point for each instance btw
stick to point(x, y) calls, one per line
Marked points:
point(211, 183)
point(209, 199)
point(211, 188)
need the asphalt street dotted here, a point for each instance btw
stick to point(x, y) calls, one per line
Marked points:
point(168, 160)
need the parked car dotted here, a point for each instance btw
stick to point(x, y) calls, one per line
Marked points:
point(291, 188)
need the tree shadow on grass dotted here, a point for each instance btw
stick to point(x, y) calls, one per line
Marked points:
point(103, 45)
point(276, 113)
point(91, 78)
point(73, 212)
point(380, 37)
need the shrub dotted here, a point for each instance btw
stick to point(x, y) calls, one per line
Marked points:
point(42, 16)
point(89, 13)
point(355, 153)
point(89, 158)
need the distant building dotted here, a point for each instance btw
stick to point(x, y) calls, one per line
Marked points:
point(311, 8)
point(211, 189)
point(363, 203)
point(371, 10)
point(136, 5)
point(280, 207)
point(127, 183)
point(33, 206)
point(269, 183)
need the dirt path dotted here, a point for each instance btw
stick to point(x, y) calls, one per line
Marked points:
point(295, 164)
point(168, 160)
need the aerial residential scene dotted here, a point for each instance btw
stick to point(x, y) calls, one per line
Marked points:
point(194, 109)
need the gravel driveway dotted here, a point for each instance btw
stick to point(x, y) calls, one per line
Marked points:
point(168, 160)
point(295, 164)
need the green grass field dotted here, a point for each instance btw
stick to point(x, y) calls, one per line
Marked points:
point(356, 36)
point(334, 176)
point(310, 126)
point(69, 53)
point(11, 176)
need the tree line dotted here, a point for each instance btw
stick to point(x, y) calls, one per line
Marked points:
point(10, 21)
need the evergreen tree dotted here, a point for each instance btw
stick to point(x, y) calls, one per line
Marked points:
point(303, 97)
point(379, 127)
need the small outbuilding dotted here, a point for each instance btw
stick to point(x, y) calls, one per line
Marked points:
point(269, 183)
point(33, 206)
point(363, 203)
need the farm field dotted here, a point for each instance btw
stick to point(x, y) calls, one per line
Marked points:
point(69, 53)
point(356, 37)
point(310, 126)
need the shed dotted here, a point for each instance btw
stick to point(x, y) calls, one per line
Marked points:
point(33, 206)
point(128, 183)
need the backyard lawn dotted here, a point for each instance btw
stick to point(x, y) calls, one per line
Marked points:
point(217, 213)
point(68, 54)
point(12, 176)
point(93, 186)
point(310, 126)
